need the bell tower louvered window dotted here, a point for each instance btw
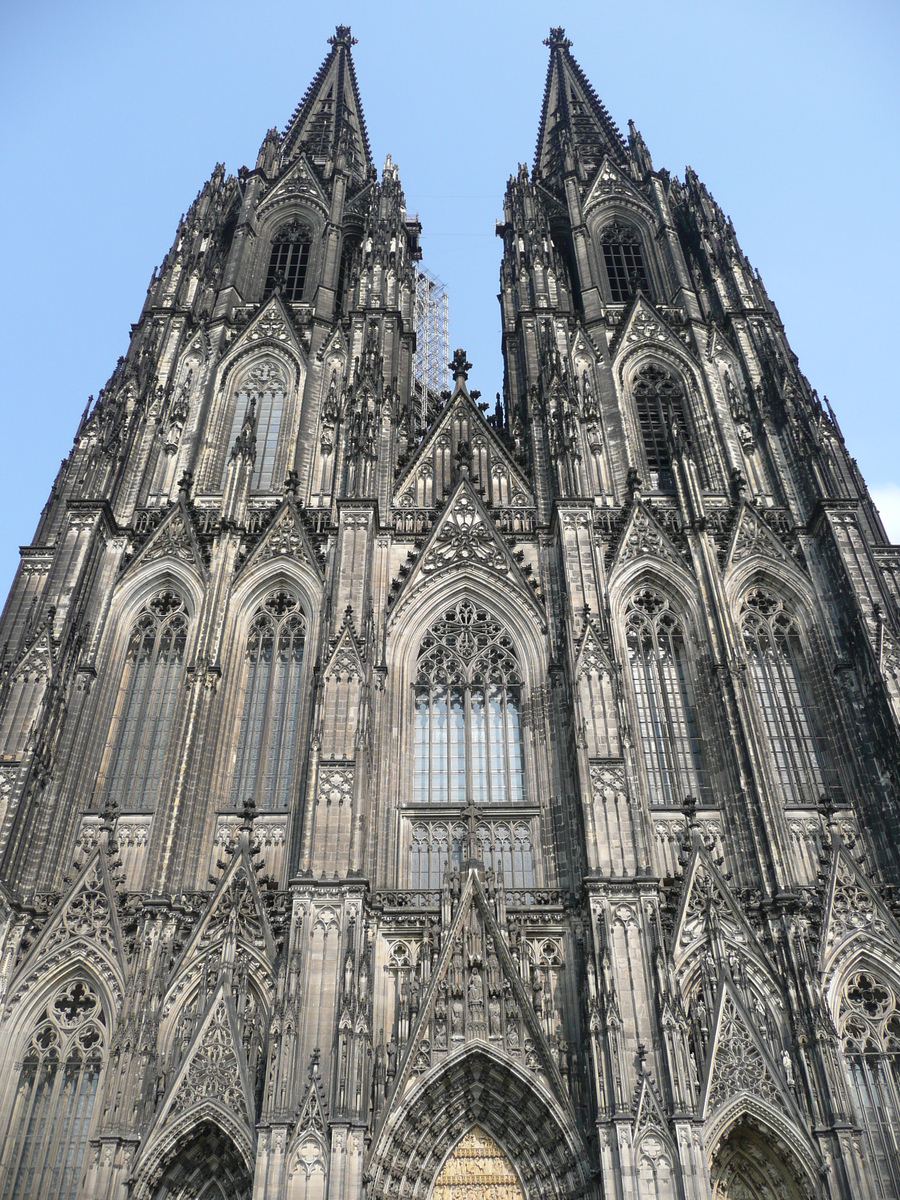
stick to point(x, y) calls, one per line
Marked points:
point(54, 1099)
point(660, 677)
point(468, 729)
point(267, 743)
point(289, 261)
point(624, 262)
point(154, 665)
point(775, 655)
point(659, 407)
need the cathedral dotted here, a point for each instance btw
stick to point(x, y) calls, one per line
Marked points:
point(410, 797)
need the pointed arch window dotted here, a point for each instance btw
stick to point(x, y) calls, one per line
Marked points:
point(267, 743)
point(624, 262)
point(148, 696)
point(660, 676)
point(289, 260)
point(869, 1025)
point(775, 655)
point(57, 1086)
point(264, 388)
point(659, 407)
point(468, 727)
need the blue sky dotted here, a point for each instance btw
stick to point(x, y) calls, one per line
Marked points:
point(112, 116)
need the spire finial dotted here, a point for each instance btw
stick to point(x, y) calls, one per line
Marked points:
point(342, 37)
point(460, 366)
point(557, 39)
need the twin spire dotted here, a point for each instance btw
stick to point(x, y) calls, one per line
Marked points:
point(575, 131)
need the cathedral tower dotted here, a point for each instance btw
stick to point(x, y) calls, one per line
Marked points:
point(401, 799)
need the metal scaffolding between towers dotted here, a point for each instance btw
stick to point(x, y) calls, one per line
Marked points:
point(432, 341)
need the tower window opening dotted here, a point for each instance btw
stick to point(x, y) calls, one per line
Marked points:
point(659, 407)
point(149, 696)
point(267, 742)
point(660, 676)
point(624, 262)
point(468, 728)
point(772, 644)
point(289, 261)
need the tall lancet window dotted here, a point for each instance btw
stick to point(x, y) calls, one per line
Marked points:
point(869, 1024)
point(772, 643)
point(468, 728)
point(50, 1121)
point(265, 386)
point(289, 261)
point(267, 744)
point(663, 695)
point(624, 262)
point(659, 406)
point(148, 697)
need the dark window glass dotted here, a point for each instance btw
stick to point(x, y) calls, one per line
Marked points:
point(290, 259)
point(624, 262)
point(659, 406)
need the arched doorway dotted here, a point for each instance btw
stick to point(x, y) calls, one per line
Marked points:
point(751, 1163)
point(206, 1166)
point(477, 1168)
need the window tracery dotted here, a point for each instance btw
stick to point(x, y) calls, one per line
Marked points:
point(504, 847)
point(57, 1086)
point(869, 1025)
point(289, 260)
point(267, 742)
point(775, 655)
point(154, 663)
point(659, 407)
point(663, 695)
point(624, 262)
point(468, 729)
point(264, 389)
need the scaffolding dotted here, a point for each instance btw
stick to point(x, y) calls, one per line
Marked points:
point(432, 344)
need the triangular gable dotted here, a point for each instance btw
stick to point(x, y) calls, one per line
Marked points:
point(174, 537)
point(39, 656)
point(706, 898)
point(644, 536)
point(642, 325)
point(737, 1061)
point(648, 1113)
point(335, 345)
point(853, 908)
point(287, 538)
point(271, 324)
point(85, 917)
point(313, 1116)
point(424, 452)
point(299, 180)
point(465, 535)
point(235, 908)
point(213, 1070)
point(592, 658)
point(345, 660)
point(753, 536)
point(476, 994)
point(610, 180)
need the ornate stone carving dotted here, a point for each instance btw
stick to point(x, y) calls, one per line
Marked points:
point(463, 538)
point(738, 1064)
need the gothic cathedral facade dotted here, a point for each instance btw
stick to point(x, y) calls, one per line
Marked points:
point(405, 797)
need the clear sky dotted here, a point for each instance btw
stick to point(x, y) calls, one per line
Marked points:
point(112, 116)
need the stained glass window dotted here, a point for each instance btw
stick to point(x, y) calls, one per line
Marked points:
point(149, 692)
point(50, 1121)
point(772, 643)
point(468, 730)
point(267, 743)
point(667, 724)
